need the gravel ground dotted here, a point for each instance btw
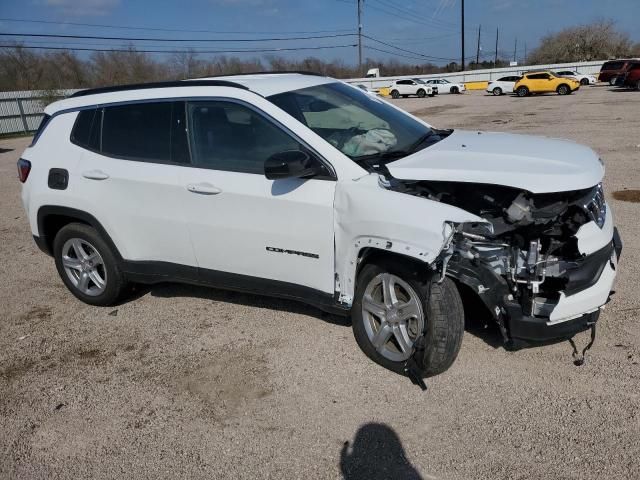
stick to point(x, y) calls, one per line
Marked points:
point(184, 382)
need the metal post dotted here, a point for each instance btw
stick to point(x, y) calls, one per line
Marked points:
point(360, 36)
point(462, 42)
point(495, 60)
point(23, 117)
point(478, 48)
point(515, 49)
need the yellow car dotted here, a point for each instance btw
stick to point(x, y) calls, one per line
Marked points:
point(545, 82)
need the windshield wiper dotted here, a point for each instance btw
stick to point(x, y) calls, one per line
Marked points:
point(414, 147)
point(382, 156)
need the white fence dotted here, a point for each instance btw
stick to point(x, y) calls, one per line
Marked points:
point(485, 74)
point(21, 111)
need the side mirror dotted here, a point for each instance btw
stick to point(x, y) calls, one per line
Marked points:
point(292, 164)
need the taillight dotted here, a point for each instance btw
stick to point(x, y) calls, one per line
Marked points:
point(24, 167)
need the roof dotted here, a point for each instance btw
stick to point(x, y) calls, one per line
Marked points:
point(264, 84)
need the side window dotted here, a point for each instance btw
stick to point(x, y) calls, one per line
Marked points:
point(231, 137)
point(86, 129)
point(151, 132)
point(538, 76)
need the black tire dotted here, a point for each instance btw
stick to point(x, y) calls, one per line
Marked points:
point(454, 90)
point(497, 91)
point(638, 85)
point(395, 94)
point(421, 93)
point(563, 89)
point(444, 317)
point(522, 91)
point(612, 81)
point(115, 283)
point(584, 82)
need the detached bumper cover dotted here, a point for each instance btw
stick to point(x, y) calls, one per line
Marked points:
point(576, 312)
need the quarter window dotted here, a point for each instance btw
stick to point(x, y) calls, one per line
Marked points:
point(86, 130)
point(231, 137)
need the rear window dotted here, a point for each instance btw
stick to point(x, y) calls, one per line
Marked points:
point(612, 66)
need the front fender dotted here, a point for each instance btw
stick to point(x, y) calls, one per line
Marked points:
point(368, 215)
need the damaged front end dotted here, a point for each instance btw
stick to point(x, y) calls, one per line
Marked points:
point(543, 264)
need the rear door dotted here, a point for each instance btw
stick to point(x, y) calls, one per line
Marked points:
point(130, 177)
point(240, 222)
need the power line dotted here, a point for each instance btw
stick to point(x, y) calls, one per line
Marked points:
point(134, 39)
point(418, 54)
point(124, 27)
point(403, 9)
point(407, 18)
point(134, 50)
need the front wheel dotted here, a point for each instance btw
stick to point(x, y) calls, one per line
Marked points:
point(87, 265)
point(497, 91)
point(563, 90)
point(422, 93)
point(612, 81)
point(522, 91)
point(455, 90)
point(393, 307)
point(584, 82)
point(395, 94)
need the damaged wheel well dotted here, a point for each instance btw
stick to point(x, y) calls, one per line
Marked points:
point(369, 255)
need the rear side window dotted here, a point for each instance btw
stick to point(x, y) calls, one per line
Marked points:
point(612, 66)
point(538, 76)
point(152, 132)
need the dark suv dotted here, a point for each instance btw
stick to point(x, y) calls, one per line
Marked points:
point(611, 70)
point(631, 78)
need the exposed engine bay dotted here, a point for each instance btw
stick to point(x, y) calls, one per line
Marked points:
point(527, 252)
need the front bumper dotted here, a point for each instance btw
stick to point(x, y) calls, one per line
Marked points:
point(574, 312)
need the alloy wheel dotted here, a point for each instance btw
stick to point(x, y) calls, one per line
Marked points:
point(84, 266)
point(393, 316)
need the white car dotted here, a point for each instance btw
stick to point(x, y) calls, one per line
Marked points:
point(303, 187)
point(584, 79)
point(407, 87)
point(502, 85)
point(445, 86)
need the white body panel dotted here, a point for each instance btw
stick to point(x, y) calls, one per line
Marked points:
point(506, 87)
point(410, 89)
point(444, 86)
point(536, 164)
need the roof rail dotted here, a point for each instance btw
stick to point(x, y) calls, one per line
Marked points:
point(283, 72)
point(171, 84)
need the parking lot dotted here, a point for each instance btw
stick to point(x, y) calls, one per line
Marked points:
point(188, 382)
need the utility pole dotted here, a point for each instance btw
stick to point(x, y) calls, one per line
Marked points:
point(360, 35)
point(524, 60)
point(495, 60)
point(515, 49)
point(478, 47)
point(462, 42)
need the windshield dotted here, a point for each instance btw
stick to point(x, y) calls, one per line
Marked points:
point(361, 126)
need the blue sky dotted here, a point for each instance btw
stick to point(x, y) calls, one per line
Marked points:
point(428, 27)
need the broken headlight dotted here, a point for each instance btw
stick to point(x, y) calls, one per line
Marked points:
point(597, 207)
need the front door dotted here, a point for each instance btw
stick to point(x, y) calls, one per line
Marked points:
point(240, 222)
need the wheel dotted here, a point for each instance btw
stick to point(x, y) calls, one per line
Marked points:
point(395, 94)
point(563, 90)
point(454, 90)
point(522, 91)
point(421, 93)
point(612, 81)
point(87, 266)
point(497, 91)
point(584, 82)
point(638, 85)
point(390, 311)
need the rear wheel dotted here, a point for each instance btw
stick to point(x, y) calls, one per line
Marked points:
point(395, 94)
point(584, 81)
point(392, 309)
point(612, 81)
point(455, 90)
point(422, 93)
point(563, 89)
point(497, 91)
point(87, 266)
point(638, 85)
point(522, 91)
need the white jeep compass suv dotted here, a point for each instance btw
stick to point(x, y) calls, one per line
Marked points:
point(301, 186)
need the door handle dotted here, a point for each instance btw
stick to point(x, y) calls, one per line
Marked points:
point(95, 175)
point(203, 188)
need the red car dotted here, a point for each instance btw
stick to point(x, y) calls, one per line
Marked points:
point(611, 70)
point(632, 76)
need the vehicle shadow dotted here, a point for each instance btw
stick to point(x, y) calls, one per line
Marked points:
point(376, 453)
point(6, 150)
point(623, 90)
point(172, 290)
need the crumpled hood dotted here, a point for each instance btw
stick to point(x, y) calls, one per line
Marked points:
point(536, 164)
